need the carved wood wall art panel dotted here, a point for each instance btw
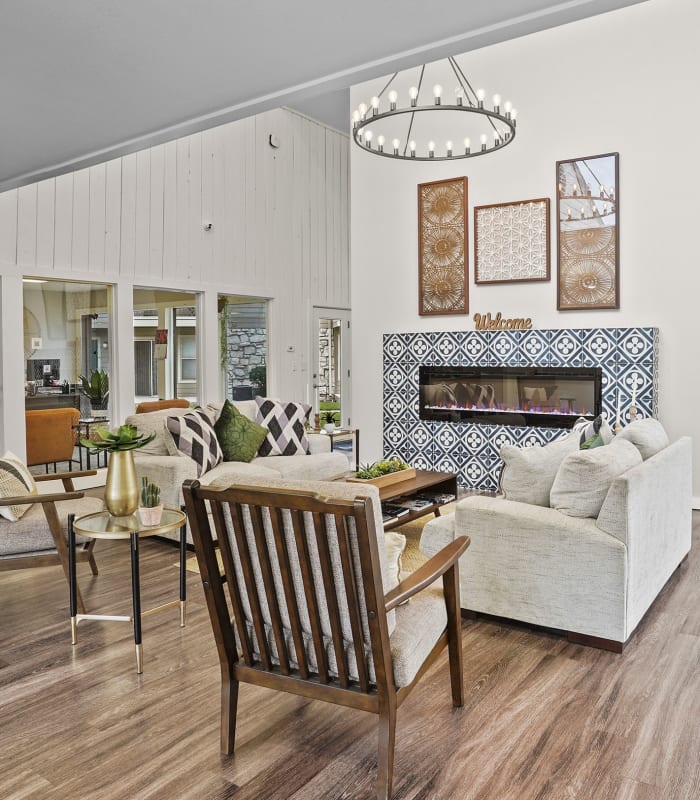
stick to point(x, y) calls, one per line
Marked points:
point(511, 242)
point(442, 247)
point(588, 229)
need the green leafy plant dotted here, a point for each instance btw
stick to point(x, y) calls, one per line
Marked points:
point(328, 417)
point(126, 437)
point(258, 377)
point(95, 388)
point(150, 493)
point(379, 468)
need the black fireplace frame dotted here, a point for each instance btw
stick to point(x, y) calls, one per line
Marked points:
point(490, 417)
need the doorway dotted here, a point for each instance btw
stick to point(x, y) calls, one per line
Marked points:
point(330, 361)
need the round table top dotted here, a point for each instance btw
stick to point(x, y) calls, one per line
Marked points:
point(102, 525)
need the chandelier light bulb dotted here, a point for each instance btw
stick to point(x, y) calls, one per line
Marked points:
point(380, 143)
point(513, 115)
point(483, 138)
point(459, 94)
point(412, 148)
point(437, 91)
point(507, 107)
point(393, 96)
point(362, 108)
point(413, 94)
point(431, 149)
point(368, 138)
point(395, 144)
point(496, 102)
point(355, 117)
point(467, 146)
point(448, 147)
point(375, 105)
point(480, 95)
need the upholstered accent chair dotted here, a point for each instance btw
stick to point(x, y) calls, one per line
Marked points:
point(157, 405)
point(39, 537)
point(313, 607)
point(51, 436)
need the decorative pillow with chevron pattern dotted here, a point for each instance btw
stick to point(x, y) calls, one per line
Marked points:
point(285, 423)
point(192, 435)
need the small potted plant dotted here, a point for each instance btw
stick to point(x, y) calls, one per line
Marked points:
point(121, 486)
point(329, 420)
point(96, 389)
point(150, 509)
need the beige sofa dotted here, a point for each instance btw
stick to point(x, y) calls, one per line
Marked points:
point(170, 471)
point(592, 575)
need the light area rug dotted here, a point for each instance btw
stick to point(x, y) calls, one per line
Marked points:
point(412, 557)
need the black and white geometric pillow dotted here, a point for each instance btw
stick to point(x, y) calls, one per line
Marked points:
point(193, 436)
point(285, 422)
point(587, 429)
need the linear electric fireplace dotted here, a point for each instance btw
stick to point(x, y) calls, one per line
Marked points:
point(549, 397)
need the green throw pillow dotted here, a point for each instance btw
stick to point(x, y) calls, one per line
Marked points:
point(238, 436)
point(594, 441)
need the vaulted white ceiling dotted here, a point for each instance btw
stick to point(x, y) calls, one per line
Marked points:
point(82, 81)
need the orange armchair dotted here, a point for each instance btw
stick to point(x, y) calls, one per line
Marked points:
point(157, 405)
point(51, 435)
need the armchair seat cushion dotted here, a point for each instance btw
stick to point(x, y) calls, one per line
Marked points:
point(30, 534)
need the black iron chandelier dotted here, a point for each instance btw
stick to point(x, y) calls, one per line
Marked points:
point(378, 129)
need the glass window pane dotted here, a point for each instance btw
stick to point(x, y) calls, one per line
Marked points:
point(243, 346)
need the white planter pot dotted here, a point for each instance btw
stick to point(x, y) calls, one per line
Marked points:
point(150, 516)
point(329, 427)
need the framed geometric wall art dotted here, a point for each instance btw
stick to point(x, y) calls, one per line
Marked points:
point(511, 242)
point(588, 232)
point(442, 247)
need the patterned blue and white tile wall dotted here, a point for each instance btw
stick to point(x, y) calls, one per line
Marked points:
point(471, 450)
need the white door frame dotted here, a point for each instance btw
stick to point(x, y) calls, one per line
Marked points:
point(343, 314)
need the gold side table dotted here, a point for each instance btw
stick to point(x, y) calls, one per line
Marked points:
point(102, 525)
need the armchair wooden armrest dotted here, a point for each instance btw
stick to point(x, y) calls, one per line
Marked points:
point(438, 565)
point(40, 498)
point(66, 478)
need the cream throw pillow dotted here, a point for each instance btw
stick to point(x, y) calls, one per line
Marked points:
point(528, 472)
point(584, 477)
point(647, 435)
point(15, 481)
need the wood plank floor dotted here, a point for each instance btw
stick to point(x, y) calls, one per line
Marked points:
point(543, 719)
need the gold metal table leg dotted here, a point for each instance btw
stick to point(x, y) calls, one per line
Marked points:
point(183, 611)
point(139, 659)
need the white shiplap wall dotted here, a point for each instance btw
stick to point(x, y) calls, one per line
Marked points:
point(279, 230)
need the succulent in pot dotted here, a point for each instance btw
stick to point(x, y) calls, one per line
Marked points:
point(329, 420)
point(151, 509)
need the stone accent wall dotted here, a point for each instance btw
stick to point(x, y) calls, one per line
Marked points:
point(245, 349)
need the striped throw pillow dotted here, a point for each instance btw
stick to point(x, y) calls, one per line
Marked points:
point(15, 481)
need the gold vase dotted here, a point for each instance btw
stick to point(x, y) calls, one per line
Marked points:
point(121, 488)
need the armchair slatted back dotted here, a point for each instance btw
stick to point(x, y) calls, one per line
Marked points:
point(300, 594)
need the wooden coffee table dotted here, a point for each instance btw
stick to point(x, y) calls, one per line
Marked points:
point(425, 480)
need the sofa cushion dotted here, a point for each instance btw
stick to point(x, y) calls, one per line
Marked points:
point(192, 436)
point(154, 422)
point(647, 435)
point(584, 477)
point(15, 481)
point(285, 423)
point(238, 436)
point(317, 467)
point(528, 472)
point(587, 429)
point(228, 473)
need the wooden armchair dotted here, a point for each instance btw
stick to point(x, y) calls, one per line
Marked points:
point(39, 537)
point(306, 579)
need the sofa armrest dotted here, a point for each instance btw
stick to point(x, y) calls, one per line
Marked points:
point(169, 472)
point(318, 443)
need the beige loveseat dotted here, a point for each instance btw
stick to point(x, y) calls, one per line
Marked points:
point(565, 565)
point(170, 471)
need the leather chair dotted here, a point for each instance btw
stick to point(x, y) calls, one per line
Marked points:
point(157, 405)
point(310, 588)
point(51, 435)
